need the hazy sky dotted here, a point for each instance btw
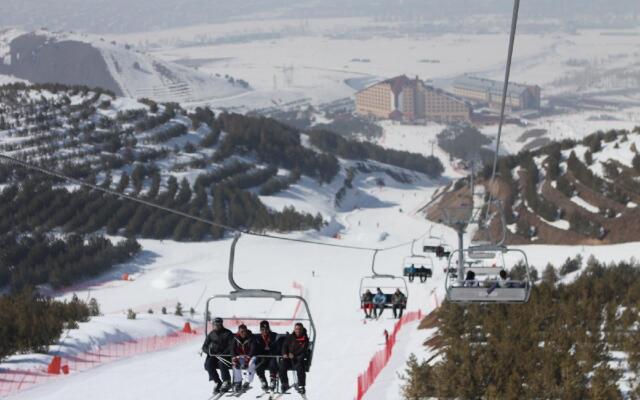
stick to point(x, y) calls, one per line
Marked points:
point(116, 16)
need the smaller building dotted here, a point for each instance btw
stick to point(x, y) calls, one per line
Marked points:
point(487, 91)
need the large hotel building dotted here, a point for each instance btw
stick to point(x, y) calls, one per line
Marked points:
point(406, 99)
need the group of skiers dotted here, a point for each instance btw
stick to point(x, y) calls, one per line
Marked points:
point(374, 305)
point(249, 354)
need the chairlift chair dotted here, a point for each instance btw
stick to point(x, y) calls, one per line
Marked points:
point(239, 294)
point(486, 290)
point(382, 281)
point(423, 267)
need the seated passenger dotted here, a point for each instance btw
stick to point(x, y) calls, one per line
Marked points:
point(398, 302)
point(502, 282)
point(470, 280)
point(412, 272)
point(379, 301)
point(422, 272)
point(367, 303)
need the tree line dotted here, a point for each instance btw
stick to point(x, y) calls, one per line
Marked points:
point(560, 345)
point(336, 144)
point(30, 322)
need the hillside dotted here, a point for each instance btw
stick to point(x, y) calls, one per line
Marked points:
point(244, 171)
point(74, 59)
point(572, 192)
point(239, 171)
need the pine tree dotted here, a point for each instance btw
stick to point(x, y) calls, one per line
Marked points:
point(549, 275)
point(131, 314)
point(178, 309)
point(94, 307)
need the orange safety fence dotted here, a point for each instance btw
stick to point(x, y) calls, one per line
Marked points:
point(12, 381)
point(15, 380)
point(381, 358)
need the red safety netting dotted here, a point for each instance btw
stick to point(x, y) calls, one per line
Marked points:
point(12, 381)
point(381, 358)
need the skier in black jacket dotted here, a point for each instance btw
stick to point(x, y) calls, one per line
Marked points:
point(295, 353)
point(217, 347)
point(268, 344)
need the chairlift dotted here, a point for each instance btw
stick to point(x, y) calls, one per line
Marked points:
point(382, 281)
point(473, 277)
point(417, 265)
point(485, 286)
point(240, 294)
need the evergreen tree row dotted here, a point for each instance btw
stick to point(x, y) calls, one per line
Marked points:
point(30, 322)
point(558, 346)
point(29, 260)
point(273, 143)
point(336, 144)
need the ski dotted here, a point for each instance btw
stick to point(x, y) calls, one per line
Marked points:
point(240, 393)
point(218, 395)
point(275, 396)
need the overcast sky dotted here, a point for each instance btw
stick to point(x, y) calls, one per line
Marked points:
point(117, 16)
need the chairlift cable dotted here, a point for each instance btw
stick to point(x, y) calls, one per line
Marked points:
point(512, 37)
point(80, 182)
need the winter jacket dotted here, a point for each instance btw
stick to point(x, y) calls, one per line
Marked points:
point(379, 299)
point(296, 345)
point(367, 298)
point(398, 299)
point(218, 342)
point(270, 345)
point(243, 347)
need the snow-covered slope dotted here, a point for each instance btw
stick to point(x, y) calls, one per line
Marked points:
point(68, 58)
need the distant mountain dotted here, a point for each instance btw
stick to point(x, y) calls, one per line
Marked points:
point(44, 57)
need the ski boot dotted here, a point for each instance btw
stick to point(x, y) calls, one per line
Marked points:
point(216, 388)
point(274, 384)
point(226, 385)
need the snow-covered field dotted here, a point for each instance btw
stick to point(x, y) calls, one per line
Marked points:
point(320, 60)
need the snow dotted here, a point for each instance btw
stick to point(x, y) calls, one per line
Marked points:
point(167, 272)
point(584, 204)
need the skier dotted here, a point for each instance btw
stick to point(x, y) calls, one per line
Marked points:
point(379, 301)
point(295, 351)
point(367, 303)
point(423, 273)
point(399, 302)
point(470, 280)
point(412, 273)
point(267, 344)
point(501, 282)
point(217, 347)
point(243, 358)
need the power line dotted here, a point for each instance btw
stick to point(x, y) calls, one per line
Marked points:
point(80, 182)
